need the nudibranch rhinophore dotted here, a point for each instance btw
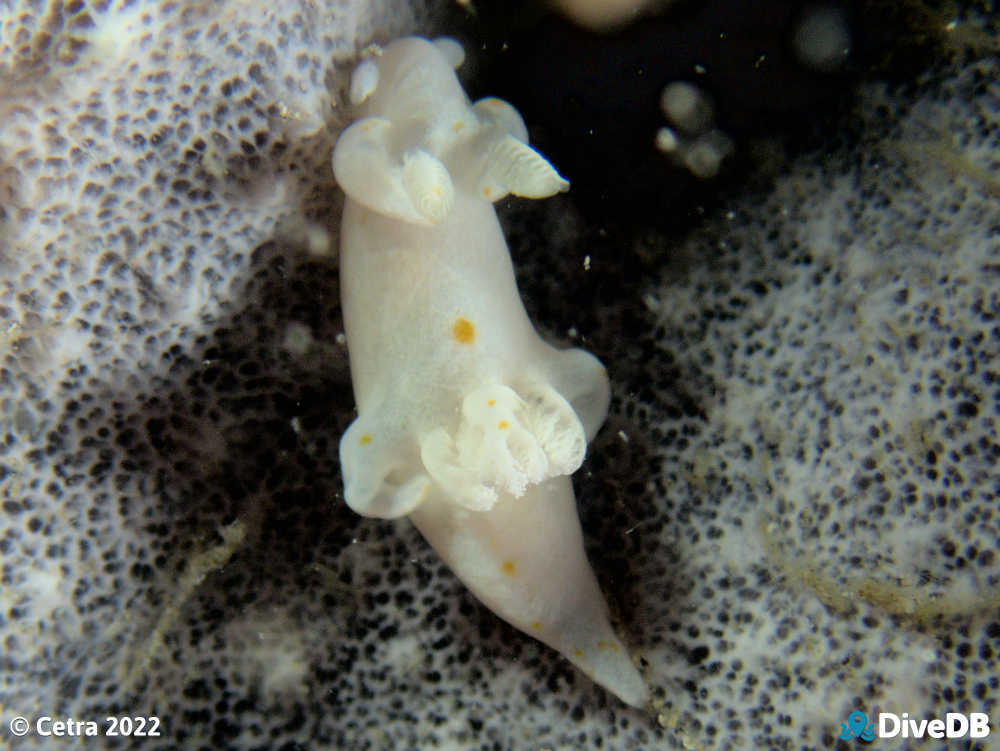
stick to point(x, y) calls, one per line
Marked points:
point(467, 421)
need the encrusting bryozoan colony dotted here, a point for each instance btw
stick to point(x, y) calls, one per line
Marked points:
point(468, 422)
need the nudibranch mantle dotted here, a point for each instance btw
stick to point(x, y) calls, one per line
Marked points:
point(468, 422)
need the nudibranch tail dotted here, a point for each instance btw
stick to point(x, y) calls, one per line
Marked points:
point(548, 590)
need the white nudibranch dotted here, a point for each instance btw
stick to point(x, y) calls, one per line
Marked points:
point(468, 422)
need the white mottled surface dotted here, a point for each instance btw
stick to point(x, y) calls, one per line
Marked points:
point(842, 336)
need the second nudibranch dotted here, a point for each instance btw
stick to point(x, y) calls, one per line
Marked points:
point(468, 422)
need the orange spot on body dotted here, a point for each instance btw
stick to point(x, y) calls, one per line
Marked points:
point(578, 652)
point(491, 403)
point(508, 568)
point(464, 331)
point(536, 625)
point(503, 425)
point(365, 440)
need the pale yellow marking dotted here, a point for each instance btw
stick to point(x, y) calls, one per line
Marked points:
point(458, 126)
point(491, 403)
point(578, 653)
point(464, 331)
point(508, 568)
point(503, 425)
point(486, 192)
point(537, 625)
point(423, 493)
point(365, 440)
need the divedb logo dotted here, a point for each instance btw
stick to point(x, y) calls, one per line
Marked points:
point(889, 725)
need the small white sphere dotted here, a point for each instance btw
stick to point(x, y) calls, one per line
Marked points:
point(704, 157)
point(686, 106)
point(666, 141)
point(822, 38)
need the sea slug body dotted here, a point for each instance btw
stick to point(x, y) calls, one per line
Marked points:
point(468, 422)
